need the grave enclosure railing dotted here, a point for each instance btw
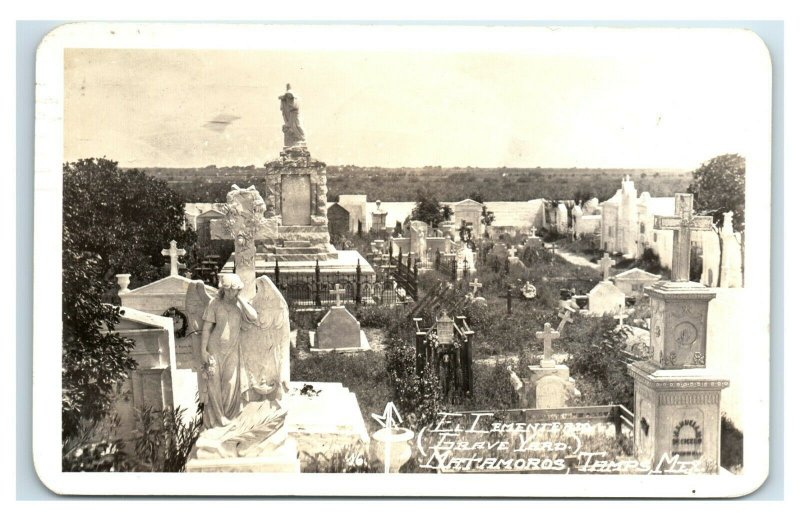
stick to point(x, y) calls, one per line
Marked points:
point(451, 362)
point(313, 289)
point(618, 415)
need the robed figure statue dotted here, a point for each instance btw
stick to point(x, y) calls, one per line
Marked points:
point(293, 134)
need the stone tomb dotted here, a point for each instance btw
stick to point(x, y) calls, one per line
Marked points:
point(161, 379)
point(633, 281)
point(605, 298)
point(338, 330)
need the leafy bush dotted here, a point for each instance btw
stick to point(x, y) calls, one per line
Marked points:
point(350, 460)
point(163, 441)
point(418, 398)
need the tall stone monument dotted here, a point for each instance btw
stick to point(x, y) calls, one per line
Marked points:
point(290, 225)
point(548, 385)
point(296, 194)
point(677, 399)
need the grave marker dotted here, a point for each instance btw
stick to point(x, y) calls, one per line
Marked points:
point(173, 253)
point(547, 336)
point(605, 264)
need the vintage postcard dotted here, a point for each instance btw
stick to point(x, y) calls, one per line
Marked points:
point(402, 261)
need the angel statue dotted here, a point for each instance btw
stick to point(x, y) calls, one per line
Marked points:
point(244, 350)
point(265, 347)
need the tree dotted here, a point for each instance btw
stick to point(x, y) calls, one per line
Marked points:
point(718, 187)
point(115, 221)
point(92, 359)
point(429, 210)
point(124, 217)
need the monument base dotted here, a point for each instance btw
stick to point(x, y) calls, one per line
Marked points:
point(282, 459)
point(324, 421)
point(344, 265)
point(364, 346)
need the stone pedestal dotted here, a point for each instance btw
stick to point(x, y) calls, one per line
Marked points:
point(678, 325)
point(284, 459)
point(296, 194)
point(676, 398)
point(677, 414)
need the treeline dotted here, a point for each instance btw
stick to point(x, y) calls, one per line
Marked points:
point(210, 184)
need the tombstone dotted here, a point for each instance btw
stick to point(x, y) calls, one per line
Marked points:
point(548, 385)
point(516, 268)
point(378, 218)
point(245, 223)
point(338, 220)
point(338, 330)
point(605, 265)
point(604, 298)
point(676, 396)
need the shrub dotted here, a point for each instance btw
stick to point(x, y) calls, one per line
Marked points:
point(418, 398)
point(163, 441)
point(731, 446)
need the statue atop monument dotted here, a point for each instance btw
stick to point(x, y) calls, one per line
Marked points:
point(293, 135)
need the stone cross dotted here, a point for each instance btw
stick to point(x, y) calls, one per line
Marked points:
point(173, 253)
point(512, 252)
point(565, 317)
point(338, 292)
point(621, 317)
point(547, 336)
point(605, 265)
point(244, 222)
point(682, 225)
point(475, 285)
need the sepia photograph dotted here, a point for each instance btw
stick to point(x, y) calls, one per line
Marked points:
point(459, 259)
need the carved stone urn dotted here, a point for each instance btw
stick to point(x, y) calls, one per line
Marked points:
point(392, 445)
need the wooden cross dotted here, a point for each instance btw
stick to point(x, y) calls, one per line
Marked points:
point(605, 265)
point(512, 252)
point(682, 225)
point(547, 336)
point(338, 292)
point(173, 253)
point(565, 317)
point(475, 285)
point(621, 317)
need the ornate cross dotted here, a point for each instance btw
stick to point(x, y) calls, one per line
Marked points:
point(475, 285)
point(682, 224)
point(338, 292)
point(605, 265)
point(547, 336)
point(621, 317)
point(173, 253)
point(565, 317)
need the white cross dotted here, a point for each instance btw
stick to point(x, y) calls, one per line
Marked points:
point(605, 265)
point(682, 225)
point(338, 292)
point(512, 252)
point(475, 286)
point(173, 253)
point(565, 317)
point(547, 336)
point(621, 317)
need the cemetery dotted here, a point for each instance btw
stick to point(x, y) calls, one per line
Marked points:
point(281, 359)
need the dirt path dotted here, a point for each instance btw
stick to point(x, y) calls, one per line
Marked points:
point(577, 260)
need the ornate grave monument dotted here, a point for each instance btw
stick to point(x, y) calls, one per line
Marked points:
point(677, 399)
point(290, 224)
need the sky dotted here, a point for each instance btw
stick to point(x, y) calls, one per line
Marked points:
point(634, 104)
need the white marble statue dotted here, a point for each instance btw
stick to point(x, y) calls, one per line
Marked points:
point(265, 347)
point(293, 134)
